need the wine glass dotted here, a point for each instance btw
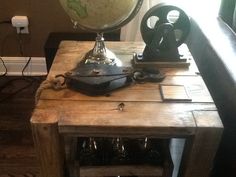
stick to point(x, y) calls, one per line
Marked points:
point(119, 152)
point(88, 152)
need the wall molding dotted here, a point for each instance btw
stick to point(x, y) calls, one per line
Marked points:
point(15, 65)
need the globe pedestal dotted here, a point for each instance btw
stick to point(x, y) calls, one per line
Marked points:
point(100, 54)
point(101, 16)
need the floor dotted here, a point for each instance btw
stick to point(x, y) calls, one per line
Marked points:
point(17, 156)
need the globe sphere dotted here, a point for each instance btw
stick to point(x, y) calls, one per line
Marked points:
point(101, 15)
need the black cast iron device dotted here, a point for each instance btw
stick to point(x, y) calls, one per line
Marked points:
point(162, 42)
point(101, 79)
point(170, 29)
point(98, 79)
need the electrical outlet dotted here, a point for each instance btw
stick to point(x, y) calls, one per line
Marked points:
point(21, 24)
point(23, 30)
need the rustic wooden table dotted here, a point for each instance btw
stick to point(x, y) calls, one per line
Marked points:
point(145, 114)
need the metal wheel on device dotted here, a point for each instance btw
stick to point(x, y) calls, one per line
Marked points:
point(165, 14)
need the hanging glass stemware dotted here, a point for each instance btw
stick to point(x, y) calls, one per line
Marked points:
point(119, 152)
point(152, 151)
point(88, 153)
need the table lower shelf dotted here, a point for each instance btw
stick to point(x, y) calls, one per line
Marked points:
point(121, 170)
point(136, 165)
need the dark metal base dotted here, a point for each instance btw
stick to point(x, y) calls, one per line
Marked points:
point(139, 62)
point(98, 79)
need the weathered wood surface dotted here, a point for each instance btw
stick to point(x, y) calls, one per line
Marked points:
point(71, 52)
point(48, 143)
point(122, 170)
point(139, 92)
point(200, 152)
point(144, 113)
point(137, 118)
point(17, 160)
point(144, 108)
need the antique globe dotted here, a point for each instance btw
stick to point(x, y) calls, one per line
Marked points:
point(101, 16)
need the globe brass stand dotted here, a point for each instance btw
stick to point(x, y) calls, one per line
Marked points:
point(99, 17)
point(100, 54)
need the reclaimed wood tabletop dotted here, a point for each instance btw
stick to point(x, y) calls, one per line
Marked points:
point(146, 112)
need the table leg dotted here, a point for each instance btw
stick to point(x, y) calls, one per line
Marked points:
point(48, 148)
point(200, 150)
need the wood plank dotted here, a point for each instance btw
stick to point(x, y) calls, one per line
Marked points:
point(19, 171)
point(123, 170)
point(108, 114)
point(17, 153)
point(201, 151)
point(48, 145)
point(139, 92)
point(44, 117)
point(15, 122)
point(71, 52)
point(208, 119)
point(15, 138)
point(54, 107)
point(23, 108)
point(71, 148)
point(17, 160)
point(105, 117)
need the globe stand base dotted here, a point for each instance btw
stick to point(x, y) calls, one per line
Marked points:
point(110, 58)
point(100, 54)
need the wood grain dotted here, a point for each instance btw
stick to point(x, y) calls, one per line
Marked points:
point(48, 147)
point(104, 117)
point(142, 170)
point(139, 92)
point(73, 114)
point(70, 53)
point(201, 151)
